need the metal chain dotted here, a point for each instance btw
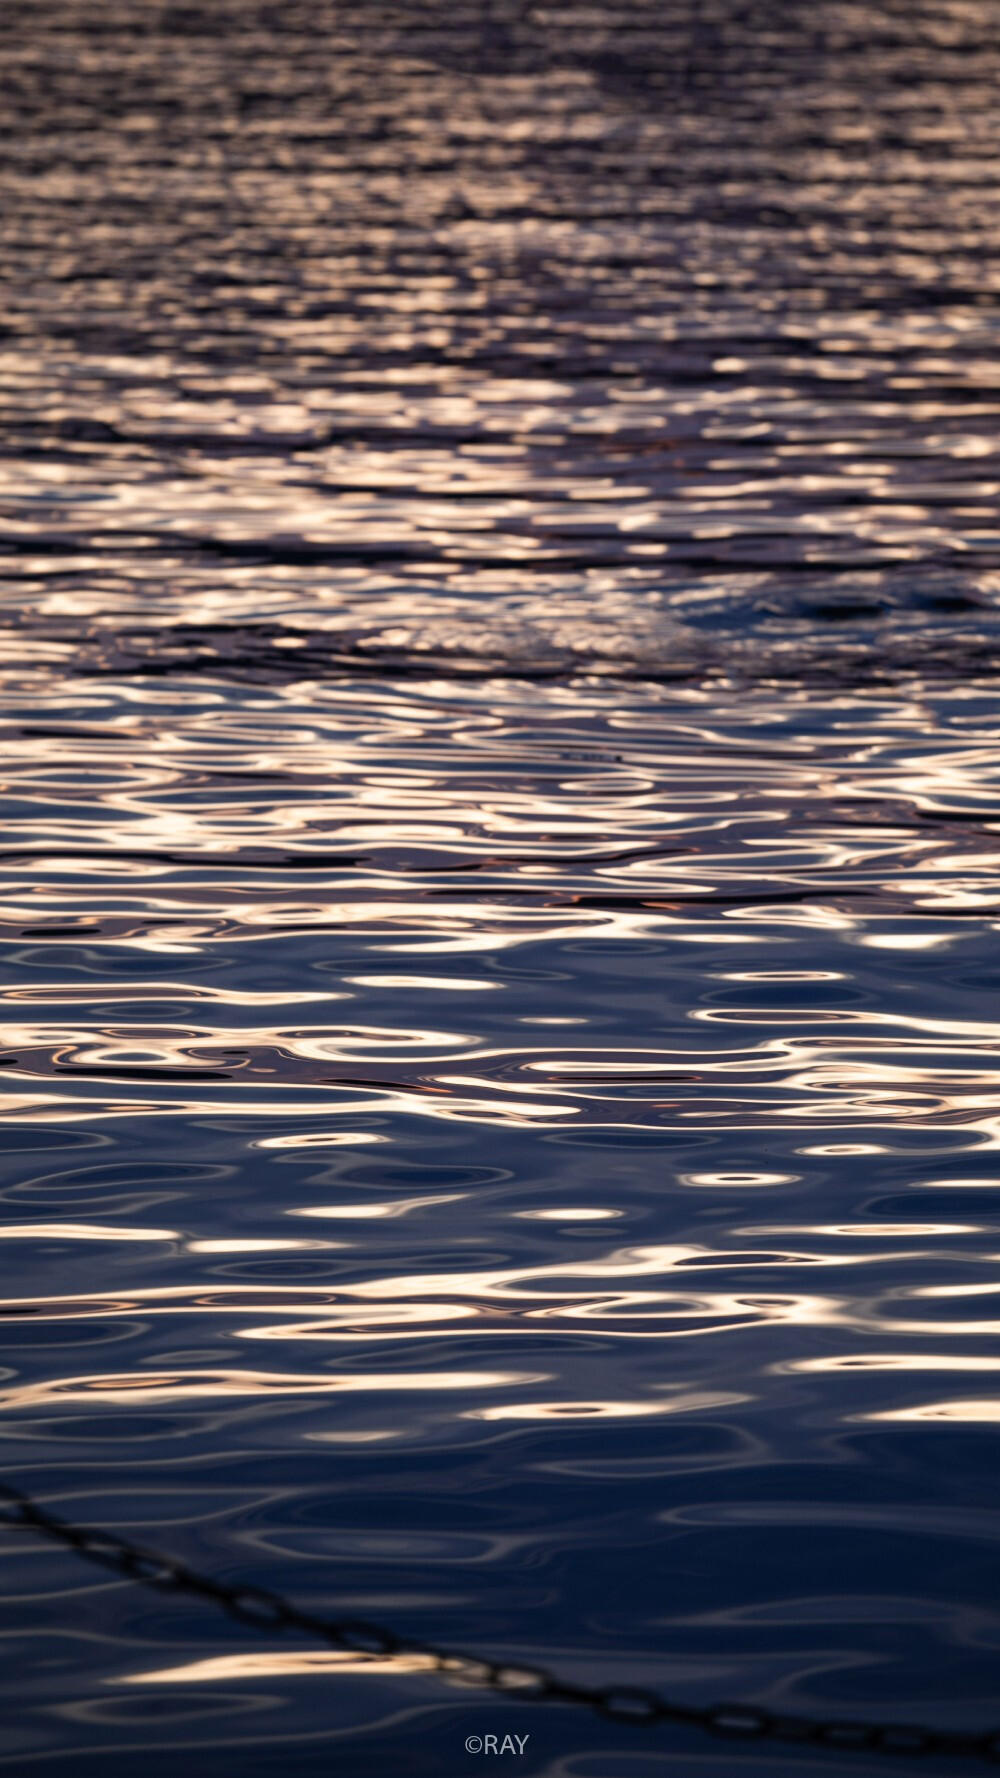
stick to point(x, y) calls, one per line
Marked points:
point(264, 1610)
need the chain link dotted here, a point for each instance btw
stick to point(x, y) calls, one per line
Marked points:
point(263, 1610)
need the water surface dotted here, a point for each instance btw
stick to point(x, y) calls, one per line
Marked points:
point(500, 580)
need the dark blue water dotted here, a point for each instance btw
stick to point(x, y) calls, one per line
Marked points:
point(500, 599)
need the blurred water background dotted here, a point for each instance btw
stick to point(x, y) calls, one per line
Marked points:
point(500, 598)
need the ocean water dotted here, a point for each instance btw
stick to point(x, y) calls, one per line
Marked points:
point(500, 599)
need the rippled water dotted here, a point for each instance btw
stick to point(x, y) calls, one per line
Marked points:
point(501, 591)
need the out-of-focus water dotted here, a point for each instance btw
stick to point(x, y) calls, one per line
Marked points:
point(501, 591)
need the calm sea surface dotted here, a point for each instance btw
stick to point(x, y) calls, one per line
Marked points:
point(501, 612)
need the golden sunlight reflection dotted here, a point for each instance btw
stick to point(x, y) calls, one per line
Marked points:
point(580, 1213)
point(436, 983)
point(320, 1139)
point(247, 1244)
point(80, 1231)
point(381, 1210)
point(277, 1664)
point(907, 941)
point(738, 1179)
point(842, 1148)
point(696, 1402)
point(969, 1412)
point(904, 1231)
point(889, 1361)
point(203, 1385)
point(357, 1435)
